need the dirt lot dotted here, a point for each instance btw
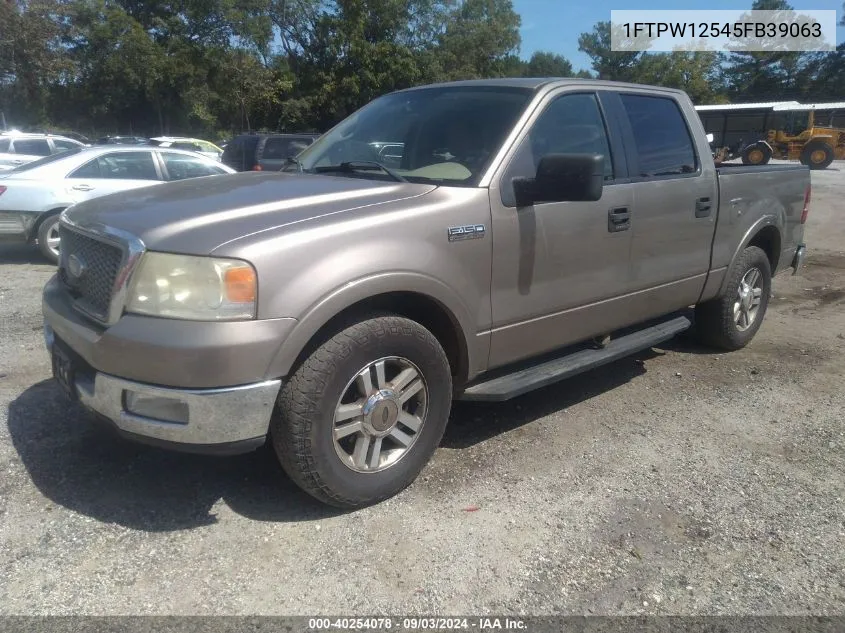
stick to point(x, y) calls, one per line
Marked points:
point(679, 481)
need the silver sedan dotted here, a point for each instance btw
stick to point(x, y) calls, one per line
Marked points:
point(33, 195)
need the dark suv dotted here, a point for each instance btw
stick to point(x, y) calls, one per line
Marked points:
point(258, 152)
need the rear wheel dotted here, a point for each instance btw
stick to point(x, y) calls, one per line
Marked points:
point(756, 154)
point(362, 415)
point(48, 238)
point(731, 321)
point(817, 155)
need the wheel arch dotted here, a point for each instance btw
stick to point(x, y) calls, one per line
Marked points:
point(422, 301)
point(41, 217)
point(766, 234)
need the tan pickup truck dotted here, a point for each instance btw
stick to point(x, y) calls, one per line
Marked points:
point(471, 240)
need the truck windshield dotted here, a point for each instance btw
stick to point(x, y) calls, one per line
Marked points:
point(444, 135)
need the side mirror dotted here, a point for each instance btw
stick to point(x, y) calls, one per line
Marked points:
point(562, 178)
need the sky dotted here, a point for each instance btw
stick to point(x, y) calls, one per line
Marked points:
point(554, 25)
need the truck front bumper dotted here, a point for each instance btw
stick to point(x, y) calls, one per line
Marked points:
point(226, 420)
point(198, 386)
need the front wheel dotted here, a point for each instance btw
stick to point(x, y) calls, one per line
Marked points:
point(361, 416)
point(731, 321)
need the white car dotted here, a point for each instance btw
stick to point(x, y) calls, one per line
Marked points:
point(18, 148)
point(206, 148)
point(33, 195)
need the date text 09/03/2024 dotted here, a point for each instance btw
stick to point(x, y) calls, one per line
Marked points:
point(416, 624)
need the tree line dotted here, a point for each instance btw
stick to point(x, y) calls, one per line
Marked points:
point(216, 67)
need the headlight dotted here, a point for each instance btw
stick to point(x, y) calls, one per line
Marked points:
point(196, 288)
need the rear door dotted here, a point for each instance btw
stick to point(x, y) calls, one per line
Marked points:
point(113, 172)
point(240, 153)
point(675, 200)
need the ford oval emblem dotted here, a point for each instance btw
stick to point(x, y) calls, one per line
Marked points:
point(75, 266)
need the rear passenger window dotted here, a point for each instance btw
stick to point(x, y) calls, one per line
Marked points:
point(180, 166)
point(32, 147)
point(91, 169)
point(61, 145)
point(119, 166)
point(4, 145)
point(663, 142)
point(191, 147)
point(276, 148)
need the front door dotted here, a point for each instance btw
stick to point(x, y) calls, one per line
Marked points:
point(112, 172)
point(558, 267)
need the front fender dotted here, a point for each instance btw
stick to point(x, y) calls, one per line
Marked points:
point(358, 290)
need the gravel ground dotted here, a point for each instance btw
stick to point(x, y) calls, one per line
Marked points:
point(678, 481)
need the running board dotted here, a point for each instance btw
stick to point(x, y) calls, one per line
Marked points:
point(514, 384)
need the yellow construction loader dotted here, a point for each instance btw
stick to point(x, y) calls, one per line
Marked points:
point(815, 146)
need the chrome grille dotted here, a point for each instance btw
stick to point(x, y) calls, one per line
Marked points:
point(101, 262)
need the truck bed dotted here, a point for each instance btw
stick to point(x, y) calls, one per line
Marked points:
point(752, 196)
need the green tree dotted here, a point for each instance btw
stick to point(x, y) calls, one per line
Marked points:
point(827, 71)
point(30, 58)
point(479, 38)
point(545, 64)
point(767, 75)
point(695, 72)
point(607, 63)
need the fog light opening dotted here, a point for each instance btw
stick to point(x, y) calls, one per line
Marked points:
point(156, 407)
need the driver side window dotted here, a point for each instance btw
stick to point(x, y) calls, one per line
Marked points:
point(571, 124)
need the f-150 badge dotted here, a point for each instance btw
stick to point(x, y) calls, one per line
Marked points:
point(466, 232)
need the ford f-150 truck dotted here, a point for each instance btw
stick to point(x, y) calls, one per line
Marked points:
point(525, 230)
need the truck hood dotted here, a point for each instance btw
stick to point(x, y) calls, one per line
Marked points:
point(197, 215)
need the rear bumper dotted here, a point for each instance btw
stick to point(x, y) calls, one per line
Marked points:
point(17, 226)
point(798, 258)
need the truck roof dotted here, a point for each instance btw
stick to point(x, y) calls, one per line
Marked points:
point(537, 83)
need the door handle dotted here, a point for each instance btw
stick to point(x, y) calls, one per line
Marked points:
point(82, 187)
point(618, 219)
point(702, 207)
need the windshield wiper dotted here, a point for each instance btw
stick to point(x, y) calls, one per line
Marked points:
point(355, 165)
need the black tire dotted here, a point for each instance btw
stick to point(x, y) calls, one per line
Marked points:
point(301, 430)
point(46, 226)
point(715, 322)
point(817, 155)
point(756, 154)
